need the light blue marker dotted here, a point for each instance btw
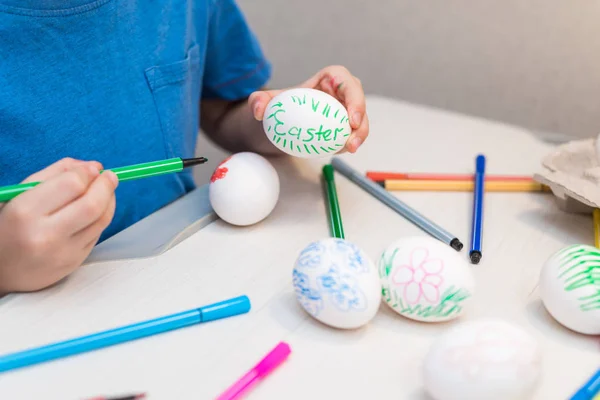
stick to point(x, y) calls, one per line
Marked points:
point(224, 309)
point(590, 389)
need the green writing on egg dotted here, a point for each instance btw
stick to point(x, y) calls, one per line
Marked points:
point(579, 268)
point(450, 303)
point(309, 139)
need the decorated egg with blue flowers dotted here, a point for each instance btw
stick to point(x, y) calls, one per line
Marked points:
point(337, 284)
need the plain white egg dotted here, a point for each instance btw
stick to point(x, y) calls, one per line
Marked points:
point(244, 189)
point(487, 359)
point(425, 279)
point(570, 288)
point(306, 123)
point(336, 283)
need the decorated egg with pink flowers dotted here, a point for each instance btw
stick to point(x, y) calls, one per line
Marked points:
point(425, 280)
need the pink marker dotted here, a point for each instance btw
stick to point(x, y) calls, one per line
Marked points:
point(260, 371)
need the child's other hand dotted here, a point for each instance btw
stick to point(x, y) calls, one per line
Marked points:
point(48, 231)
point(339, 83)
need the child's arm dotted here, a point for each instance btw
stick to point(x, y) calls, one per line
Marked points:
point(232, 126)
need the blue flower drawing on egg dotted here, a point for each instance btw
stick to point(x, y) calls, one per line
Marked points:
point(343, 290)
point(308, 297)
point(354, 255)
point(311, 255)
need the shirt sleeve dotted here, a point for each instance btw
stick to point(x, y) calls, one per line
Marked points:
point(235, 63)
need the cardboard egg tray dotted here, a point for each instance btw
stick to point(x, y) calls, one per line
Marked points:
point(572, 172)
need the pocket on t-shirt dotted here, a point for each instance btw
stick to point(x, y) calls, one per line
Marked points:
point(176, 89)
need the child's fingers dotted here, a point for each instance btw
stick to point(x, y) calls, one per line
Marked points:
point(258, 102)
point(350, 92)
point(89, 236)
point(358, 136)
point(55, 193)
point(87, 209)
point(57, 168)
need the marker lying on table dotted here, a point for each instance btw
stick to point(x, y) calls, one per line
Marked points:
point(130, 397)
point(391, 201)
point(260, 371)
point(590, 390)
point(128, 173)
point(477, 224)
point(335, 215)
point(224, 309)
point(596, 219)
point(462, 186)
point(384, 176)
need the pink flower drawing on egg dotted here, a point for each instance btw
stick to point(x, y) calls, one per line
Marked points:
point(492, 347)
point(221, 171)
point(421, 278)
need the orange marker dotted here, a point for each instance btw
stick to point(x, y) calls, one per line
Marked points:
point(383, 176)
point(462, 186)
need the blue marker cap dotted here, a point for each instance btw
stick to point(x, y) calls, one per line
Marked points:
point(224, 309)
point(480, 163)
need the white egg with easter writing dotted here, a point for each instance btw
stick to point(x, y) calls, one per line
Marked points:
point(306, 123)
point(425, 280)
point(337, 284)
point(486, 359)
point(570, 288)
point(244, 189)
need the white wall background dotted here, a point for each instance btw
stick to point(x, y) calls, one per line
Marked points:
point(533, 63)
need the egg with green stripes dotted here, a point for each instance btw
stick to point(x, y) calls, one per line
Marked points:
point(307, 123)
point(570, 288)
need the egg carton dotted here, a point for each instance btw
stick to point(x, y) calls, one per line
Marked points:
point(572, 171)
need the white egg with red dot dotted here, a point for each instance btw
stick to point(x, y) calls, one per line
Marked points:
point(244, 189)
point(307, 123)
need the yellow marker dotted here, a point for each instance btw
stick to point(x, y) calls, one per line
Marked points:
point(597, 228)
point(463, 186)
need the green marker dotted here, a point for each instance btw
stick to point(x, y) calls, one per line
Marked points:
point(335, 216)
point(131, 172)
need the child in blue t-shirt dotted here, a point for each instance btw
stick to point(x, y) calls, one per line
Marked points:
point(93, 84)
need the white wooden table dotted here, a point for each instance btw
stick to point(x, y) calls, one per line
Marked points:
point(219, 261)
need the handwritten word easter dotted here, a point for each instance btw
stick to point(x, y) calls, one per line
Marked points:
point(312, 139)
point(579, 271)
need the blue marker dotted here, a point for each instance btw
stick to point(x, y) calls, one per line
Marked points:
point(590, 389)
point(475, 253)
point(224, 309)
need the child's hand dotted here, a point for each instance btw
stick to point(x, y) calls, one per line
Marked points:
point(49, 230)
point(341, 84)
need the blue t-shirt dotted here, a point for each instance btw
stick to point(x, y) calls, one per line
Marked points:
point(119, 82)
